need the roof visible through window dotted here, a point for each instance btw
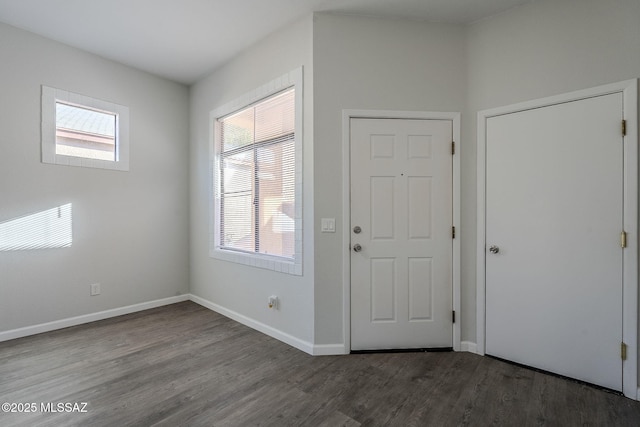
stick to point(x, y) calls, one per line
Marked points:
point(84, 132)
point(85, 120)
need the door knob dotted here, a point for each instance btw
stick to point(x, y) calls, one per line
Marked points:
point(357, 229)
point(494, 249)
point(357, 247)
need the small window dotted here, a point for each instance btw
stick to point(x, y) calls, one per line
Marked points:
point(81, 131)
point(257, 168)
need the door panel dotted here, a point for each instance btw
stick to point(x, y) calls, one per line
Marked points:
point(382, 207)
point(554, 206)
point(401, 198)
point(420, 289)
point(419, 209)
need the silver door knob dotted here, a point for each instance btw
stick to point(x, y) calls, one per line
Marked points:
point(494, 249)
point(357, 247)
point(357, 229)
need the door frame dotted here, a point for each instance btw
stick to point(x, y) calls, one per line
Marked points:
point(349, 114)
point(629, 89)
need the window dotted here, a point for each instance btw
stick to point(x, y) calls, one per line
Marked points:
point(256, 216)
point(81, 131)
point(256, 158)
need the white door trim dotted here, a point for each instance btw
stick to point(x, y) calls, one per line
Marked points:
point(347, 115)
point(629, 89)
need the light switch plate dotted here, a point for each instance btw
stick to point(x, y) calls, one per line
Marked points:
point(328, 225)
point(94, 289)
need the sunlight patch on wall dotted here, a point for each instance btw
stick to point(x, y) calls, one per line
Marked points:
point(47, 229)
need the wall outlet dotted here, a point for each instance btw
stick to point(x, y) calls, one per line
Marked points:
point(273, 302)
point(94, 289)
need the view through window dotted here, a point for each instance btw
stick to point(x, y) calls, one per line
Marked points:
point(256, 155)
point(84, 132)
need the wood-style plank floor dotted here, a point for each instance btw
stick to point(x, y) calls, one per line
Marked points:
point(185, 365)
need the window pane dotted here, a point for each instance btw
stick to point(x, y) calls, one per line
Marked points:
point(237, 130)
point(237, 228)
point(276, 172)
point(275, 117)
point(257, 161)
point(82, 132)
point(237, 225)
point(237, 172)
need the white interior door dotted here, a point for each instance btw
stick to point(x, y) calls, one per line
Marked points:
point(554, 214)
point(401, 250)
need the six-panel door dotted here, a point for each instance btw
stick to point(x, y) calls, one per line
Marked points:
point(401, 198)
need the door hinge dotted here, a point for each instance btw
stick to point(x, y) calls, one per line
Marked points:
point(623, 239)
point(453, 316)
point(453, 147)
point(624, 128)
point(453, 232)
point(623, 351)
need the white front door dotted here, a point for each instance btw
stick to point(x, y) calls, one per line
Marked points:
point(554, 217)
point(401, 233)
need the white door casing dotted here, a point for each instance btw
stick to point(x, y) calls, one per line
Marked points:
point(402, 200)
point(557, 184)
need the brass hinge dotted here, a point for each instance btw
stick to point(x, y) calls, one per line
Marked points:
point(453, 232)
point(623, 239)
point(453, 316)
point(453, 147)
point(623, 351)
point(624, 128)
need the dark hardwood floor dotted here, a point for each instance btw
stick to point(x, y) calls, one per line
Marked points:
point(185, 365)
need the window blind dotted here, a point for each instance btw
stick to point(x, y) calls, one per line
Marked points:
point(256, 152)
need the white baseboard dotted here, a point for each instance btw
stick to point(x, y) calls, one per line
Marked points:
point(329, 350)
point(86, 318)
point(469, 346)
point(305, 346)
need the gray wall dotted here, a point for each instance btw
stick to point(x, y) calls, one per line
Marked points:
point(364, 63)
point(130, 229)
point(540, 49)
point(241, 289)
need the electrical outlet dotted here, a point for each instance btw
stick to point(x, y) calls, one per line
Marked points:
point(94, 289)
point(273, 302)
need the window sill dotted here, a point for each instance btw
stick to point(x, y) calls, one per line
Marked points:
point(259, 261)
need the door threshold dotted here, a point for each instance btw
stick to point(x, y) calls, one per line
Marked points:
point(405, 350)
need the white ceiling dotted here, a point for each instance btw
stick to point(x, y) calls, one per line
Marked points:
point(183, 40)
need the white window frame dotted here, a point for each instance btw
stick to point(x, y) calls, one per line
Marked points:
point(50, 96)
point(289, 80)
